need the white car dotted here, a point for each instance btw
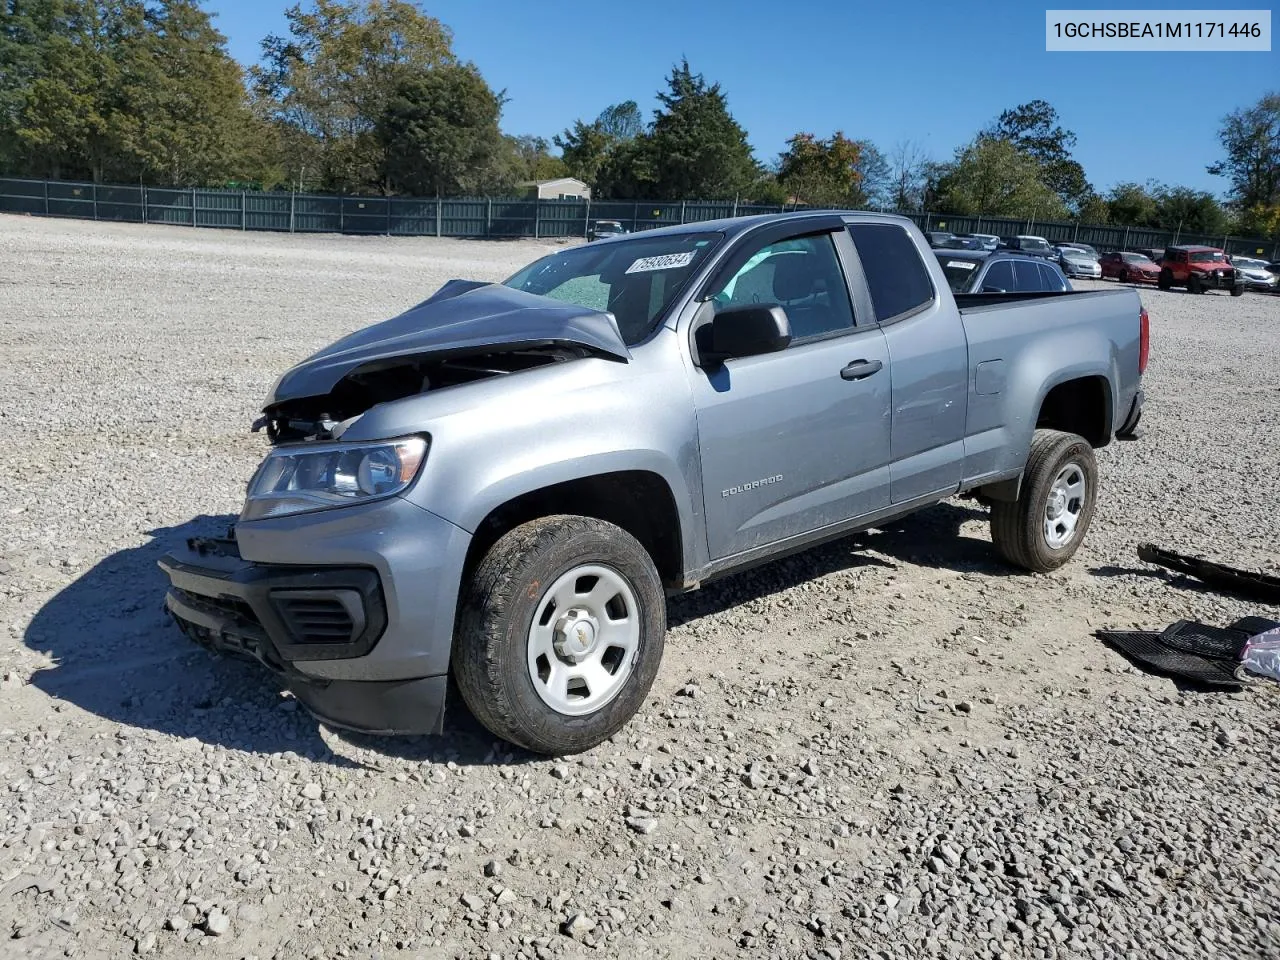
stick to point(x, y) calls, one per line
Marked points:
point(1076, 262)
point(1255, 274)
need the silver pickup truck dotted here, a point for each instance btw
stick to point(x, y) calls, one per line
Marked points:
point(503, 483)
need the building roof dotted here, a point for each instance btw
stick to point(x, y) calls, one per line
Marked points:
point(543, 183)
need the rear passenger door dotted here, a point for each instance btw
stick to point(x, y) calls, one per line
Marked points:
point(999, 278)
point(929, 362)
point(1051, 280)
point(1027, 277)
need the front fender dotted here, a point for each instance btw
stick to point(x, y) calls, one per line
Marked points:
point(503, 438)
point(506, 482)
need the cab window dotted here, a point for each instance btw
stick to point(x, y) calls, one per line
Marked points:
point(897, 279)
point(803, 276)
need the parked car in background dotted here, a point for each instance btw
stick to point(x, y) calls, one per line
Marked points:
point(986, 272)
point(989, 241)
point(1198, 269)
point(1079, 246)
point(939, 238)
point(1129, 267)
point(1030, 245)
point(1076, 262)
point(606, 228)
point(1255, 274)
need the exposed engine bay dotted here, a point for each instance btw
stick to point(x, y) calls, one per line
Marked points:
point(324, 417)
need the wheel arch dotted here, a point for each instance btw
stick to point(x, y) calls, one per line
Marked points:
point(1082, 404)
point(639, 501)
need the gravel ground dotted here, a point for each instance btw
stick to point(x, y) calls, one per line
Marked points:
point(887, 747)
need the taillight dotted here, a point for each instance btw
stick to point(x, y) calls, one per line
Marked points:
point(1144, 341)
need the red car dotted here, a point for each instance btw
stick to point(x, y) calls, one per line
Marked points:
point(1199, 269)
point(1129, 267)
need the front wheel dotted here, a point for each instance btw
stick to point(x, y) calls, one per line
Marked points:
point(1045, 526)
point(1238, 290)
point(1124, 276)
point(560, 634)
point(1166, 280)
point(1194, 285)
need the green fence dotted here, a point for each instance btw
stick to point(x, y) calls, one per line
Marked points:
point(495, 217)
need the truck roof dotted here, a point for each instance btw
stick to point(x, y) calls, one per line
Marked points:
point(733, 226)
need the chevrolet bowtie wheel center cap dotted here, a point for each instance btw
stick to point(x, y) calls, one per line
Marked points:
point(575, 634)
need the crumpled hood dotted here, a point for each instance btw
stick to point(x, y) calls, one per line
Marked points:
point(463, 316)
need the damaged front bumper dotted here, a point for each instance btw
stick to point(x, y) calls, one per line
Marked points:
point(1218, 279)
point(360, 636)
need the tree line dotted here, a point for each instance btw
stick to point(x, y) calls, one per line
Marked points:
point(368, 96)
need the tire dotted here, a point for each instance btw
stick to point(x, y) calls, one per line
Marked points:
point(1194, 285)
point(505, 664)
point(1020, 530)
point(1165, 281)
point(1123, 276)
point(1237, 290)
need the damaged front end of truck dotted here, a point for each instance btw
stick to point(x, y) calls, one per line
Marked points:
point(466, 332)
point(306, 585)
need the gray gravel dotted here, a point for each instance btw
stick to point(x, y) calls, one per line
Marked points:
point(886, 747)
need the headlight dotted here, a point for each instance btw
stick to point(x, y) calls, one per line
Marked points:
point(310, 477)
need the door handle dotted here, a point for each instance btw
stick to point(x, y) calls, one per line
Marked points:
point(861, 369)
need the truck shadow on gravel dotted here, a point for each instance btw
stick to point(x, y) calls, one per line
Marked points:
point(929, 538)
point(120, 657)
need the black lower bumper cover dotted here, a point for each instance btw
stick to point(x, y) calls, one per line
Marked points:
point(231, 605)
point(391, 707)
point(1129, 429)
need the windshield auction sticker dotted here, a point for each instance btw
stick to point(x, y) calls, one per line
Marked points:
point(669, 261)
point(1200, 31)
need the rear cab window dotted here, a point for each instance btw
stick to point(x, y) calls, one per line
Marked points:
point(897, 279)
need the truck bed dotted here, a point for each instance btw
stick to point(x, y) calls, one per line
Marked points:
point(968, 301)
point(1020, 344)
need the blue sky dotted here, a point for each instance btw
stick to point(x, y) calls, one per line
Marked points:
point(932, 72)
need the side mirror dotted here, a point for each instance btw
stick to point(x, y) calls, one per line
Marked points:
point(744, 331)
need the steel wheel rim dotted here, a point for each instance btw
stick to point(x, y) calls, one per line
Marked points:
point(583, 639)
point(1064, 505)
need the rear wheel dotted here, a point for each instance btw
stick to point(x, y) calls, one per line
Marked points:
point(560, 634)
point(1045, 526)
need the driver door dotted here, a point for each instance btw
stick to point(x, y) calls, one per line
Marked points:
point(795, 440)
